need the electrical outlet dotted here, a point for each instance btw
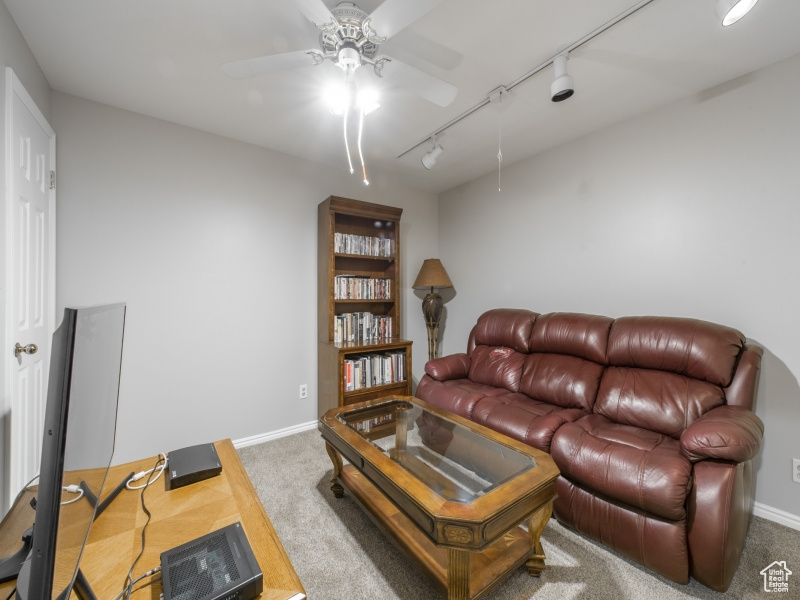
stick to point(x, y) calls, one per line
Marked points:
point(796, 470)
point(303, 391)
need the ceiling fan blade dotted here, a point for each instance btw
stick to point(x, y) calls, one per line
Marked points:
point(395, 15)
point(262, 65)
point(315, 11)
point(423, 48)
point(419, 82)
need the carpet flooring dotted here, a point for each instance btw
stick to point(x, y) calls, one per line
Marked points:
point(339, 554)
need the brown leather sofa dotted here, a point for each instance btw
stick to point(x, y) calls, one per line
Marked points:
point(649, 419)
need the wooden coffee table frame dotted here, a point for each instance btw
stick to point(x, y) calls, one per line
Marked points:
point(466, 548)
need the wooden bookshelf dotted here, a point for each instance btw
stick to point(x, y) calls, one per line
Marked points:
point(358, 297)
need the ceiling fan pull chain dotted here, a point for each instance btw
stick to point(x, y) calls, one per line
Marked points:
point(360, 155)
point(500, 146)
point(346, 145)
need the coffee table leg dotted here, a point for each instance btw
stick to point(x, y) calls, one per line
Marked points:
point(457, 574)
point(336, 459)
point(401, 432)
point(536, 525)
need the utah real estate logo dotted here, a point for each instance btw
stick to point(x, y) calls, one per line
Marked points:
point(776, 577)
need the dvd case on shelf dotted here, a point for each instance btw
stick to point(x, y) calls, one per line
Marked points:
point(373, 369)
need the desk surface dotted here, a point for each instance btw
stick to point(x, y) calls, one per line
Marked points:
point(178, 516)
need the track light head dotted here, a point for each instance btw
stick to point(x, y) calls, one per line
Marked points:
point(730, 11)
point(562, 87)
point(429, 160)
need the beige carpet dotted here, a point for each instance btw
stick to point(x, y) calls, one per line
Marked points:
point(340, 555)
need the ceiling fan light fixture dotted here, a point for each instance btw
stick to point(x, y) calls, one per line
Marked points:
point(349, 58)
point(337, 97)
point(368, 101)
point(730, 11)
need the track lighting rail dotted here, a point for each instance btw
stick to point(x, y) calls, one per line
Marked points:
point(606, 26)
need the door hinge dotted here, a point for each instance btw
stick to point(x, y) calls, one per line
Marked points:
point(52, 180)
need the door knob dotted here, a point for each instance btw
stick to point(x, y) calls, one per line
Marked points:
point(29, 349)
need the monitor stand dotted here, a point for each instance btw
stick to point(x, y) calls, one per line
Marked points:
point(89, 495)
point(10, 566)
point(81, 587)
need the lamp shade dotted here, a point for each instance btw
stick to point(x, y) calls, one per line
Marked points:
point(432, 275)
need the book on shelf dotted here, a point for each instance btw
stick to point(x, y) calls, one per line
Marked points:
point(361, 287)
point(346, 243)
point(362, 371)
point(362, 327)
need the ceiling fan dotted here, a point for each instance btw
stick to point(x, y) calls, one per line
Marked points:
point(350, 38)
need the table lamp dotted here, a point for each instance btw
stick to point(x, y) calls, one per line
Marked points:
point(432, 275)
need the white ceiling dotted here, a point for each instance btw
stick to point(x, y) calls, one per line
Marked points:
point(162, 58)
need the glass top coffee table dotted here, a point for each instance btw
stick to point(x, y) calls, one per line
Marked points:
point(451, 493)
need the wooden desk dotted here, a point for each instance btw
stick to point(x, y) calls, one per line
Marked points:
point(178, 516)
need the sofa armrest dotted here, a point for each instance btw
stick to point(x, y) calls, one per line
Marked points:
point(726, 432)
point(454, 366)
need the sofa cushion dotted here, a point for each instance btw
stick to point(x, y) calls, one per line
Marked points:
point(524, 419)
point(584, 336)
point(496, 366)
point(656, 400)
point(641, 468)
point(689, 347)
point(509, 327)
point(565, 381)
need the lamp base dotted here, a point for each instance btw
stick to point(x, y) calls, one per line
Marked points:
point(432, 311)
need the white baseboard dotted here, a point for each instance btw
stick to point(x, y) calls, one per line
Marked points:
point(776, 515)
point(274, 435)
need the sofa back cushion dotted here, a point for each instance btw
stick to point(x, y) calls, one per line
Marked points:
point(584, 336)
point(568, 352)
point(666, 372)
point(566, 381)
point(656, 400)
point(497, 366)
point(689, 347)
point(507, 327)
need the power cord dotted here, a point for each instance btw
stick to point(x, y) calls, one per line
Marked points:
point(129, 581)
point(24, 488)
point(143, 474)
point(138, 579)
point(72, 489)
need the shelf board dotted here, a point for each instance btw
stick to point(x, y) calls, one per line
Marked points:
point(374, 388)
point(364, 300)
point(372, 346)
point(364, 257)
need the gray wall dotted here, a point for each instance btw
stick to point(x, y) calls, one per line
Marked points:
point(692, 211)
point(212, 243)
point(14, 53)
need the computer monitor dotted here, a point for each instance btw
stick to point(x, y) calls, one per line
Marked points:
point(77, 445)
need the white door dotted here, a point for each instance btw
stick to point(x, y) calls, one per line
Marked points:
point(30, 276)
